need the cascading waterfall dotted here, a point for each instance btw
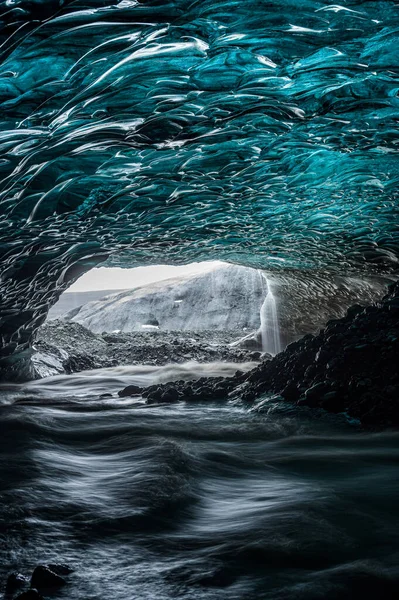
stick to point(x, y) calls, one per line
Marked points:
point(269, 324)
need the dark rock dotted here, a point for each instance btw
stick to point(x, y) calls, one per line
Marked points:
point(31, 594)
point(79, 362)
point(113, 339)
point(354, 310)
point(315, 393)
point(44, 579)
point(333, 402)
point(60, 568)
point(15, 581)
point(130, 390)
point(106, 396)
point(219, 392)
point(154, 393)
point(170, 396)
point(290, 392)
point(186, 391)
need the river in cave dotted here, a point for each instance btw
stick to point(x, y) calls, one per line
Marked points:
point(199, 501)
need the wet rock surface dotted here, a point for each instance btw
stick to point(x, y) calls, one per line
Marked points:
point(44, 579)
point(130, 390)
point(15, 582)
point(205, 388)
point(74, 348)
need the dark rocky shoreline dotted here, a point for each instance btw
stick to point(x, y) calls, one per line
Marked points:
point(350, 367)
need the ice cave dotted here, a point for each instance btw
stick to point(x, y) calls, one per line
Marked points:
point(262, 134)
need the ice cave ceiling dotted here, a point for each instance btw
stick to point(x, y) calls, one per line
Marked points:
point(261, 132)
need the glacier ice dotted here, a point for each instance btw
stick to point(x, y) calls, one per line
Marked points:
point(222, 297)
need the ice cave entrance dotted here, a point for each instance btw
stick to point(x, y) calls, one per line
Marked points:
point(212, 303)
point(200, 297)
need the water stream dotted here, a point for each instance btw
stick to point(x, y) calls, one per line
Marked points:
point(204, 501)
point(269, 323)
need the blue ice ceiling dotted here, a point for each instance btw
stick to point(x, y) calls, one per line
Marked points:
point(262, 132)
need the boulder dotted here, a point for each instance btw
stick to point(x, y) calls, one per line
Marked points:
point(170, 396)
point(31, 594)
point(130, 390)
point(15, 581)
point(60, 568)
point(44, 579)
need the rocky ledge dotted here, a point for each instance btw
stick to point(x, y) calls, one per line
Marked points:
point(350, 367)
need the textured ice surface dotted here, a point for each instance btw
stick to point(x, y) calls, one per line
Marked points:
point(261, 132)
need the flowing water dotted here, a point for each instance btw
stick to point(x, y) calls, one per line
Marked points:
point(200, 501)
point(269, 322)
